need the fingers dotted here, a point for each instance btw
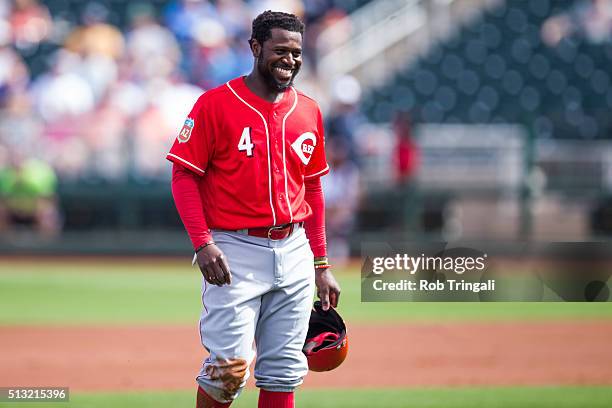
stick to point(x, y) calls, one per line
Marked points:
point(328, 289)
point(217, 274)
point(336, 299)
point(333, 297)
point(225, 269)
point(220, 272)
point(213, 274)
point(209, 275)
point(324, 296)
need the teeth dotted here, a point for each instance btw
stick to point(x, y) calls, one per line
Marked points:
point(283, 71)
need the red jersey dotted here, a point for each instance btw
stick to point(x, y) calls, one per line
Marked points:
point(253, 155)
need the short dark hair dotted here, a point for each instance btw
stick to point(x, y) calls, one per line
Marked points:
point(266, 21)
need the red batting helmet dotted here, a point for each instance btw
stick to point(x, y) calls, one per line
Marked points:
point(326, 343)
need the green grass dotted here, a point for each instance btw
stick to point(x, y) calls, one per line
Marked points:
point(512, 397)
point(42, 293)
point(124, 292)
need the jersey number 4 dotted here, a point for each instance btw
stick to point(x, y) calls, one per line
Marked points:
point(245, 144)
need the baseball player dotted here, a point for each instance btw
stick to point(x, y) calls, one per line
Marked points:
point(245, 181)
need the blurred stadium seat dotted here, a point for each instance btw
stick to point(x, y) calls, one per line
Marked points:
point(502, 71)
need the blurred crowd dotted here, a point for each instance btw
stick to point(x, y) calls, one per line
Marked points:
point(111, 96)
point(106, 101)
point(589, 19)
point(94, 91)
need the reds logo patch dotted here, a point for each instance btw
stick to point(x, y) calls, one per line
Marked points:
point(304, 146)
point(185, 132)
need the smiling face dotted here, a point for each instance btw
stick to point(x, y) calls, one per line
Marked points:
point(279, 58)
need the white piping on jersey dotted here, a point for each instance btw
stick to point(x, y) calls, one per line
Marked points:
point(284, 161)
point(318, 172)
point(186, 162)
point(268, 146)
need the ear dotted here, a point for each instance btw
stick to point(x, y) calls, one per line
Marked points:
point(255, 47)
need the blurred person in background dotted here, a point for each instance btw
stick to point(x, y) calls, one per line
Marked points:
point(188, 20)
point(62, 91)
point(28, 194)
point(167, 107)
point(405, 162)
point(341, 189)
point(235, 17)
point(323, 17)
point(96, 36)
point(99, 46)
point(215, 57)
point(14, 74)
point(210, 37)
point(344, 117)
point(104, 133)
point(62, 98)
point(153, 51)
point(182, 16)
point(153, 64)
point(19, 128)
point(30, 23)
point(406, 158)
point(588, 19)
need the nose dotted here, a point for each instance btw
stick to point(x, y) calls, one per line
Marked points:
point(289, 60)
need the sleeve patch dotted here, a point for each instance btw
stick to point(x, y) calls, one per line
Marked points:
point(186, 130)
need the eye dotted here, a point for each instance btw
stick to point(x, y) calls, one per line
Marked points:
point(297, 54)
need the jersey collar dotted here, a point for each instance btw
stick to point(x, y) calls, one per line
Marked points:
point(243, 90)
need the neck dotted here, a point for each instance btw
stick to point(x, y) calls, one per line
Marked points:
point(258, 86)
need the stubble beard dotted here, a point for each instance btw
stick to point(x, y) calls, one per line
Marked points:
point(268, 77)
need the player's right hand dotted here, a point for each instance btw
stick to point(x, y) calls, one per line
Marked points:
point(214, 266)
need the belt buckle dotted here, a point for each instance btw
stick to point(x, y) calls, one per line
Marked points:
point(277, 228)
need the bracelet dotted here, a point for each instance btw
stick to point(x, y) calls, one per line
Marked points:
point(326, 266)
point(201, 247)
point(321, 260)
point(321, 263)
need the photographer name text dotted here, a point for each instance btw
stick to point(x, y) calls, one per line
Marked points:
point(452, 285)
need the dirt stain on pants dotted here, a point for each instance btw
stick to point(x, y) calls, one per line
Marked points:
point(231, 372)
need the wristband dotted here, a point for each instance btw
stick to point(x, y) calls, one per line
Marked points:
point(201, 247)
point(321, 260)
point(326, 266)
point(321, 263)
point(198, 249)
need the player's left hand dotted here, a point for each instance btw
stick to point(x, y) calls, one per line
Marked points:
point(328, 288)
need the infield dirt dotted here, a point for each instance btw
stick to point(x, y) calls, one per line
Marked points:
point(119, 358)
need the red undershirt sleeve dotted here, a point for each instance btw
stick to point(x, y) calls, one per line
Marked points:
point(315, 224)
point(189, 205)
